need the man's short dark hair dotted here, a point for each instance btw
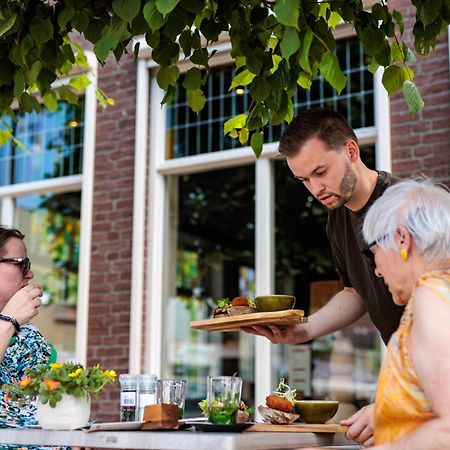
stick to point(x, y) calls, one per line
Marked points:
point(324, 124)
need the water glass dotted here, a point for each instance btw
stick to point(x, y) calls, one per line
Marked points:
point(172, 391)
point(223, 398)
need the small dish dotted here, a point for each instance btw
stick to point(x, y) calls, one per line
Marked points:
point(316, 411)
point(271, 303)
point(219, 428)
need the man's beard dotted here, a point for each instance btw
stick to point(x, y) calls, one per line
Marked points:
point(346, 187)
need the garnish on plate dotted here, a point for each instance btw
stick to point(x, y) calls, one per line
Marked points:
point(279, 407)
point(239, 305)
point(243, 413)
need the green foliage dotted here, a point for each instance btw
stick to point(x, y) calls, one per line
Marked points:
point(277, 46)
point(50, 382)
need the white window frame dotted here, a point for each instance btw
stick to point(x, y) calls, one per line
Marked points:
point(264, 239)
point(83, 182)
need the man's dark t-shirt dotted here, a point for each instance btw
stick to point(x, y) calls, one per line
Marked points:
point(344, 229)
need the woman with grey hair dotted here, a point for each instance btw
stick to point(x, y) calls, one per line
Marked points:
point(408, 231)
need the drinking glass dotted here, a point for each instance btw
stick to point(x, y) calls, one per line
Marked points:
point(172, 391)
point(223, 398)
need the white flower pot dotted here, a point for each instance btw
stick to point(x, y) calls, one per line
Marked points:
point(69, 413)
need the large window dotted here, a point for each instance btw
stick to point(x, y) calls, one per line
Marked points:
point(206, 258)
point(37, 199)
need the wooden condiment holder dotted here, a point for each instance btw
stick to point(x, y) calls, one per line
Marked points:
point(160, 416)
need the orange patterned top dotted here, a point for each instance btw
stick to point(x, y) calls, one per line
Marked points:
point(400, 402)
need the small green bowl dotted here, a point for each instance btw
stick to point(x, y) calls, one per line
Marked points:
point(316, 411)
point(270, 303)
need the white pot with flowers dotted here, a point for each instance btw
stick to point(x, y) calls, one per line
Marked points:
point(62, 393)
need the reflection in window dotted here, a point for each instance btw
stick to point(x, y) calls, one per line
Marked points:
point(190, 134)
point(51, 224)
point(53, 141)
point(212, 256)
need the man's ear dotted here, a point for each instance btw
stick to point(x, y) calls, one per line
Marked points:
point(352, 149)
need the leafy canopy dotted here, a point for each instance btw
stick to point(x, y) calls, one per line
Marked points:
point(277, 45)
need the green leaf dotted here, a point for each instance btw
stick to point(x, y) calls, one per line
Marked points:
point(192, 79)
point(303, 58)
point(372, 40)
point(397, 52)
point(65, 15)
point(413, 97)
point(243, 135)
point(383, 55)
point(19, 83)
point(259, 89)
point(152, 16)
point(235, 122)
point(393, 79)
point(166, 6)
point(290, 42)
point(287, 12)
point(126, 9)
point(373, 66)
point(50, 101)
point(242, 79)
point(429, 11)
point(80, 82)
point(334, 20)
point(41, 30)
point(5, 136)
point(304, 80)
point(256, 143)
point(66, 94)
point(329, 68)
point(7, 24)
point(399, 19)
point(196, 100)
point(168, 76)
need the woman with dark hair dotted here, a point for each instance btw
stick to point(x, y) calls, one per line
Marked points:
point(21, 344)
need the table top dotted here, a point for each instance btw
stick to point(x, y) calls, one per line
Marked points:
point(174, 440)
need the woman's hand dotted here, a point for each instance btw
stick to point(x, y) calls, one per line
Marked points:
point(360, 426)
point(24, 304)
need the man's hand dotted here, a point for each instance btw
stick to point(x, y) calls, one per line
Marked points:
point(360, 426)
point(24, 304)
point(293, 334)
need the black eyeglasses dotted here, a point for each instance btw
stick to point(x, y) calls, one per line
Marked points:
point(368, 253)
point(23, 263)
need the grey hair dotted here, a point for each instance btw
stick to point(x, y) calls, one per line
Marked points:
point(422, 207)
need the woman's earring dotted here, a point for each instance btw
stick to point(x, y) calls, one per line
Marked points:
point(403, 254)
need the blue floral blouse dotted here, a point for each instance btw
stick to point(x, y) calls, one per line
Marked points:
point(28, 349)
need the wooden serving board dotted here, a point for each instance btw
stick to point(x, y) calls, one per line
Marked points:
point(299, 428)
point(233, 323)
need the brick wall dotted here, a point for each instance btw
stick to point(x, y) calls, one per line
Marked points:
point(110, 282)
point(421, 144)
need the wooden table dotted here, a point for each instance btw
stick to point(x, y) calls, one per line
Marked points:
point(175, 440)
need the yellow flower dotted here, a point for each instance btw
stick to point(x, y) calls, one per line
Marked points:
point(76, 373)
point(25, 381)
point(110, 374)
point(55, 366)
point(51, 384)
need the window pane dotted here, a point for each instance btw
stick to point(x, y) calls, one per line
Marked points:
point(191, 134)
point(211, 248)
point(54, 142)
point(344, 365)
point(51, 224)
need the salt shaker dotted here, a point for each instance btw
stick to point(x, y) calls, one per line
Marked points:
point(147, 393)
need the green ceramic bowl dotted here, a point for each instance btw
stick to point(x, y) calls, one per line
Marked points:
point(270, 303)
point(316, 411)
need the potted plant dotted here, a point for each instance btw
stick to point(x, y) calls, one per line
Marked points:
point(62, 391)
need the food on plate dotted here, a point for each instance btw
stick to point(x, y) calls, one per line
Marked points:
point(242, 416)
point(235, 307)
point(279, 407)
